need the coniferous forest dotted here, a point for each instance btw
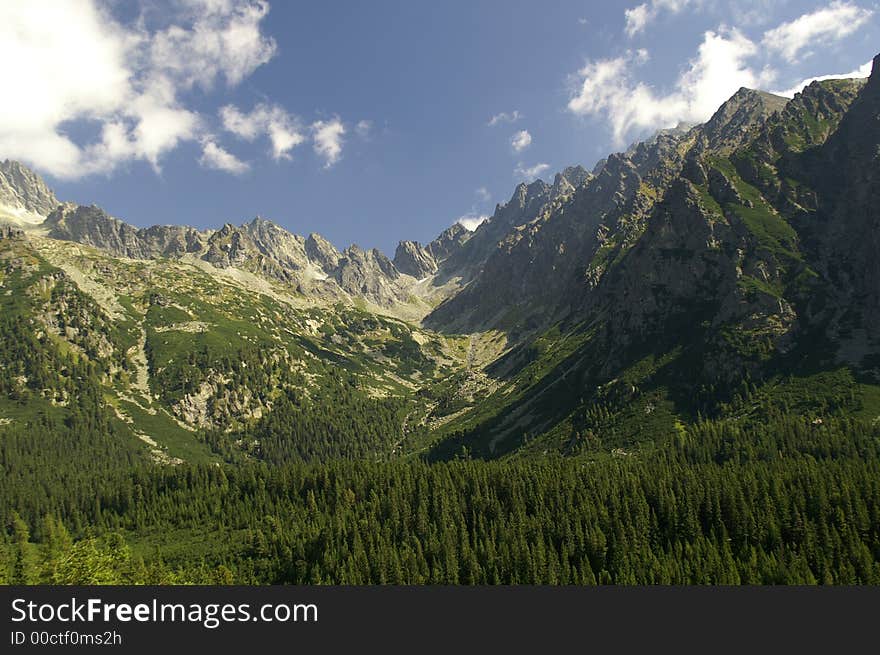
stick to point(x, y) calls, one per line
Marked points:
point(792, 502)
point(781, 498)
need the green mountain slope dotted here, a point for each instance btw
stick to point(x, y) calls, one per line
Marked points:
point(730, 297)
point(694, 271)
point(192, 361)
point(675, 360)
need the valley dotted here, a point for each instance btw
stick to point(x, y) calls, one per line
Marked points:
point(604, 382)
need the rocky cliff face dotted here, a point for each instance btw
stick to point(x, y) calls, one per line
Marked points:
point(92, 226)
point(542, 269)
point(278, 244)
point(411, 258)
point(24, 197)
point(489, 265)
point(727, 263)
point(737, 118)
point(369, 274)
point(414, 259)
point(322, 252)
point(311, 266)
point(749, 258)
point(842, 228)
point(550, 236)
point(450, 241)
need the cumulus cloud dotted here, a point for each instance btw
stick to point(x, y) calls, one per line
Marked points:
point(819, 28)
point(69, 61)
point(483, 194)
point(272, 121)
point(505, 117)
point(607, 87)
point(530, 173)
point(638, 18)
point(861, 72)
point(521, 140)
point(223, 40)
point(214, 156)
point(328, 140)
point(471, 222)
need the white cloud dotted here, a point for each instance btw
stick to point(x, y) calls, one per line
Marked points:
point(363, 129)
point(328, 140)
point(69, 61)
point(223, 40)
point(527, 174)
point(638, 18)
point(213, 156)
point(862, 71)
point(521, 140)
point(606, 87)
point(471, 222)
point(725, 61)
point(505, 117)
point(483, 194)
point(281, 128)
point(819, 28)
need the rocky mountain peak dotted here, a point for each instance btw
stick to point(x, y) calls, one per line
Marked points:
point(874, 78)
point(449, 241)
point(413, 259)
point(258, 223)
point(92, 226)
point(568, 180)
point(322, 252)
point(576, 175)
point(731, 124)
point(277, 243)
point(561, 186)
point(369, 274)
point(25, 199)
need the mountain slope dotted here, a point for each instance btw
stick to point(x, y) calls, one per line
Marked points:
point(528, 282)
point(741, 281)
point(194, 362)
point(723, 272)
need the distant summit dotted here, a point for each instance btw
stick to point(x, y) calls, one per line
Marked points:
point(25, 199)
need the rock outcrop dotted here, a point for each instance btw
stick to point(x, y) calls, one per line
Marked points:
point(25, 199)
point(411, 258)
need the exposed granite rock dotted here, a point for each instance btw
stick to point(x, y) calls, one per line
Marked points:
point(24, 196)
point(738, 118)
point(449, 242)
point(10, 232)
point(369, 274)
point(322, 252)
point(410, 258)
point(92, 226)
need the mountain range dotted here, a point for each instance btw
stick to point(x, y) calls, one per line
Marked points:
point(714, 270)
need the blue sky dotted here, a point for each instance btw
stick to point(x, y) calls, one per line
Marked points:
point(372, 122)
